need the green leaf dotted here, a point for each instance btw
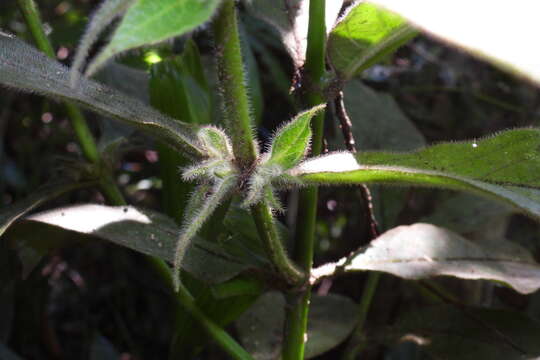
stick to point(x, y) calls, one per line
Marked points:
point(423, 250)
point(144, 231)
point(502, 33)
point(364, 36)
point(331, 319)
point(153, 21)
point(377, 121)
point(102, 18)
point(505, 167)
point(24, 68)
point(451, 333)
point(291, 142)
point(215, 142)
point(10, 214)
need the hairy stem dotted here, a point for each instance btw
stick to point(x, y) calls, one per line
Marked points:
point(233, 85)
point(82, 131)
point(298, 303)
point(239, 124)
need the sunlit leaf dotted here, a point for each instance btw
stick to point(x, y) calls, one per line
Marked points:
point(10, 214)
point(364, 36)
point(505, 167)
point(291, 142)
point(153, 21)
point(144, 231)
point(331, 319)
point(423, 250)
point(24, 68)
point(501, 32)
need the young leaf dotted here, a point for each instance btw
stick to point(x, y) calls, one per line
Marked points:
point(215, 142)
point(102, 18)
point(505, 167)
point(24, 68)
point(422, 250)
point(153, 21)
point(331, 320)
point(291, 142)
point(496, 33)
point(365, 36)
point(198, 210)
point(141, 230)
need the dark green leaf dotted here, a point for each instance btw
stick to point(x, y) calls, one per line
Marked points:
point(144, 231)
point(377, 121)
point(450, 333)
point(24, 68)
point(502, 38)
point(10, 214)
point(364, 36)
point(102, 349)
point(291, 142)
point(504, 167)
point(423, 250)
point(153, 21)
point(331, 319)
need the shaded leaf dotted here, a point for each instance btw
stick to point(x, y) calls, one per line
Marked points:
point(505, 36)
point(504, 167)
point(331, 319)
point(153, 21)
point(102, 349)
point(291, 142)
point(446, 332)
point(377, 121)
point(364, 36)
point(24, 68)
point(10, 214)
point(144, 231)
point(423, 250)
point(290, 19)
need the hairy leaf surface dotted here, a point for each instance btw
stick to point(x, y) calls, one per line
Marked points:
point(364, 36)
point(24, 68)
point(505, 167)
point(497, 32)
point(291, 142)
point(153, 21)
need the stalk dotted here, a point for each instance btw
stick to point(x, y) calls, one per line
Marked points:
point(239, 124)
point(298, 303)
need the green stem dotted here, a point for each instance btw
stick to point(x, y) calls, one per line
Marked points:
point(273, 245)
point(82, 131)
point(233, 83)
point(239, 124)
point(298, 303)
point(363, 309)
point(184, 299)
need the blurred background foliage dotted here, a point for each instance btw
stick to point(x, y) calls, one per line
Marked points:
point(98, 301)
